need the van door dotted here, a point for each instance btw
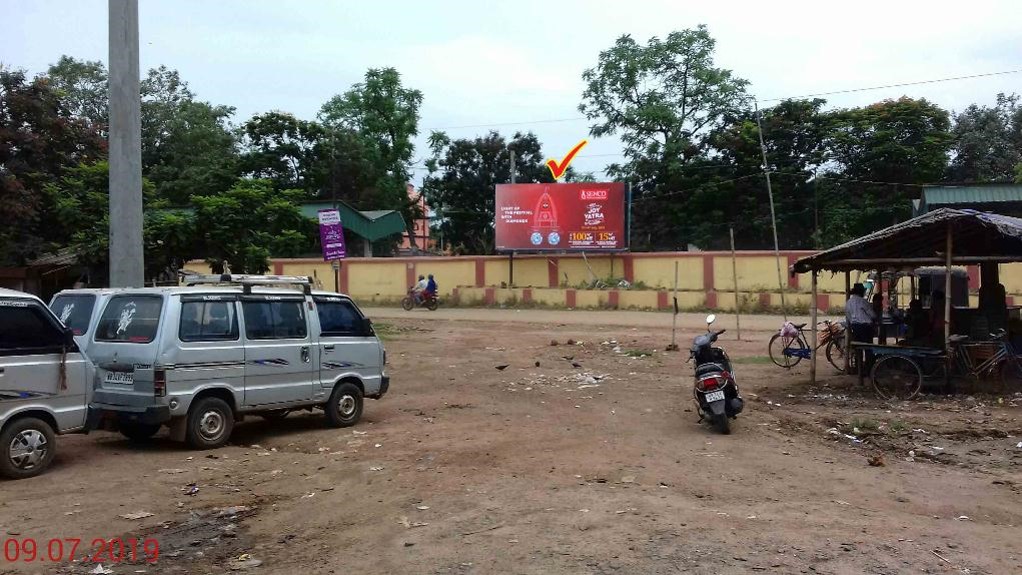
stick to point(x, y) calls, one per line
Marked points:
point(278, 350)
point(124, 347)
point(32, 351)
point(345, 346)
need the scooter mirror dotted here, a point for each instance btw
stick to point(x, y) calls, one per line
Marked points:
point(710, 319)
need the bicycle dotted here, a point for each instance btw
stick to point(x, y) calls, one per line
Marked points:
point(787, 351)
point(901, 375)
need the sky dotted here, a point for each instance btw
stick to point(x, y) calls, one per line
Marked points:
point(511, 64)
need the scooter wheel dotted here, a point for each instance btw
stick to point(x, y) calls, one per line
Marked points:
point(723, 424)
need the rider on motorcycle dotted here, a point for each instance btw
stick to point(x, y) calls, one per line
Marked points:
point(420, 289)
point(430, 291)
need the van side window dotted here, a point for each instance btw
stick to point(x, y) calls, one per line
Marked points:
point(132, 319)
point(75, 311)
point(25, 330)
point(208, 321)
point(275, 319)
point(338, 318)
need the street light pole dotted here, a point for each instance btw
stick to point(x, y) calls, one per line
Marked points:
point(126, 257)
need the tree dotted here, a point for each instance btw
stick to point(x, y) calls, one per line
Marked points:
point(82, 85)
point(875, 151)
point(664, 99)
point(243, 226)
point(39, 139)
point(462, 177)
point(987, 142)
point(386, 115)
point(287, 151)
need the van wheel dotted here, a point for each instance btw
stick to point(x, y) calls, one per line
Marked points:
point(138, 432)
point(345, 406)
point(210, 421)
point(28, 448)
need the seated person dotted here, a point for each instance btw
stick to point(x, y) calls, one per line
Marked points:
point(430, 291)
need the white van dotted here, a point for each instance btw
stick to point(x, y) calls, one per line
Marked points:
point(199, 358)
point(79, 309)
point(44, 384)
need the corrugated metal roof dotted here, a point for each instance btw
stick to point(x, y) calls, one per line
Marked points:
point(934, 196)
point(371, 225)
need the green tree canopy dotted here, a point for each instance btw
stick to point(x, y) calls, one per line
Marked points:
point(987, 142)
point(463, 175)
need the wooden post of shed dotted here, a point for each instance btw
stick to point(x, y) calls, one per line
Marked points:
point(947, 307)
point(848, 326)
point(881, 332)
point(813, 312)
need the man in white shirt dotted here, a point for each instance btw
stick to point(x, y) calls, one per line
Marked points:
point(420, 288)
point(861, 318)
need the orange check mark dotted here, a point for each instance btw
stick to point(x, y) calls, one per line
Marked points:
point(558, 169)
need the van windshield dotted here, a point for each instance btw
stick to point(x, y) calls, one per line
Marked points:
point(74, 311)
point(132, 319)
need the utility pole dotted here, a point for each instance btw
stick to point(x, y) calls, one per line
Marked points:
point(773, 216)
point(126, 258)
point(336, 264)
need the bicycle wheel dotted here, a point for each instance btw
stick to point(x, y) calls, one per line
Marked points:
point(896, 377)
point(786, 351)
point(836, 354)
point(1010, 375)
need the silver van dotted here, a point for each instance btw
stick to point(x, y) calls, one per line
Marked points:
point(198, 358)
point(79, 309)
point(44, 384)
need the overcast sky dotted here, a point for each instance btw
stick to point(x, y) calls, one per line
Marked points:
point(503, 62)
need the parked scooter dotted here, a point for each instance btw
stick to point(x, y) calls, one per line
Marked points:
point(716, 391)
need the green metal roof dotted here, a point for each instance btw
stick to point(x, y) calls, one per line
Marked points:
point(935, 196)
point(371, 225)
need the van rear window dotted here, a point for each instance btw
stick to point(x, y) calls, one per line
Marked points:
point(74, 311)
point(130, 319)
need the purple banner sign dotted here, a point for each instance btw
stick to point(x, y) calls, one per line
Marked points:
point(331, 235)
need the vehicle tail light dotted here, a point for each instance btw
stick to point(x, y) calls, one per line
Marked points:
point(160, 383)
point(707, 383)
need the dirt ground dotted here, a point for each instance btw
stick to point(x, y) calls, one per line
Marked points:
point(543, 467)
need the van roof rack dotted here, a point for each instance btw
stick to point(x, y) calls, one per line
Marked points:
point(246, 281)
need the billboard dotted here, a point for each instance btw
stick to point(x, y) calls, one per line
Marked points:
point(561, 217)
point(331, 235)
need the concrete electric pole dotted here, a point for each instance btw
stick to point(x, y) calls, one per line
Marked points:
point(126, 267)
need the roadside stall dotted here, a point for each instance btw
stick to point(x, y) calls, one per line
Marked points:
point(956, 341)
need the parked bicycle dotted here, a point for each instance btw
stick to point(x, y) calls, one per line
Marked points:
point(789, 346)
point(901, 375)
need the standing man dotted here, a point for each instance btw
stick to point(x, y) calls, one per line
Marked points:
point(860, 317)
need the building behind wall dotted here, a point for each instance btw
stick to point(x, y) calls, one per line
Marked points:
point(420, 241)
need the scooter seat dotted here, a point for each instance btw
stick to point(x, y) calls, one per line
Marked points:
point(708, 368)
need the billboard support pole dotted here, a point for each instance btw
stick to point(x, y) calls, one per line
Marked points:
point(511, 270)
point(628, 216)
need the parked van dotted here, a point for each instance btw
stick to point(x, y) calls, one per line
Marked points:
point(79, 309)
point(199, 358)
point(44, 384)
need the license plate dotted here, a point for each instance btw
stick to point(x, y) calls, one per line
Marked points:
point(714, 396)
point(120, 378)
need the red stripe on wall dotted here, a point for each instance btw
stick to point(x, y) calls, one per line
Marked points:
point(973, 277)
point(764, 299)
point(823, 302)
point(792, 278)
point(278, 268)
point(661, 300)
point(526, 295)
point(490, 296)
point(629, 269)
point(708, 272)
point(480, 272)
point(711, 299)
point(344, 278)
point(569, 298)
point(614, 299)
point(553, 271)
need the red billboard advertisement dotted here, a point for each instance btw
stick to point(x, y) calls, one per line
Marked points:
point(561, 217)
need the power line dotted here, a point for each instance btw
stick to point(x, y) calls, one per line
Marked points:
point(900, 85)
point(831, 93)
